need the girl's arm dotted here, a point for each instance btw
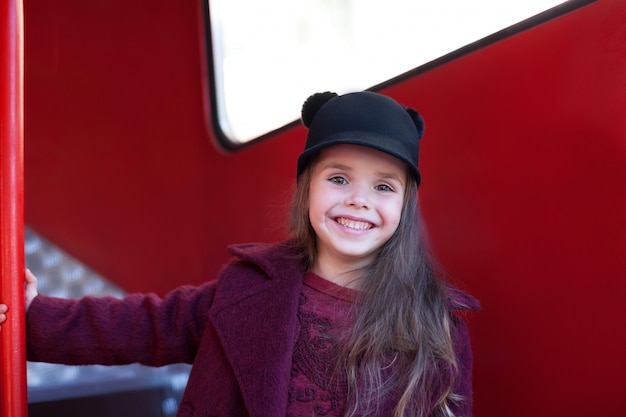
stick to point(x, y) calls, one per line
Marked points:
point(463, 386)
point(140, 328)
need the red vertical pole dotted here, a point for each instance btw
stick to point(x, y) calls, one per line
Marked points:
point(13, 389)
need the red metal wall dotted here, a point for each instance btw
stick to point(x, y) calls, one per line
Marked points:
point(524, 180)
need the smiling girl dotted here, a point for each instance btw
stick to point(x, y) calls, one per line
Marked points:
point(346, 318)
point(356, 195)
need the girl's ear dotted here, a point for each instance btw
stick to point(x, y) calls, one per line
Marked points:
point(418, 120)
point(313, 104)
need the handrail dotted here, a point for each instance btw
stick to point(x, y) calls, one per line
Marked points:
point(13, 388)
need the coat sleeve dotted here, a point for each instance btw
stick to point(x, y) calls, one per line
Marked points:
point(140, 328)
point(463, 385)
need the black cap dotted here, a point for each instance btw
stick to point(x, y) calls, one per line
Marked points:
point(364, 118)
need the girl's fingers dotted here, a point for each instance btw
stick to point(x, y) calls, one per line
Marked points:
point(3, 309)
point(30, 278)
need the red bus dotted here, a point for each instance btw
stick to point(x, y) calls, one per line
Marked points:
point(121, 173)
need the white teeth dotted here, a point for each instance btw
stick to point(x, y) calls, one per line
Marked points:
point(353, 224)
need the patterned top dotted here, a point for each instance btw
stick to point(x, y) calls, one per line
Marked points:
point(317, 388)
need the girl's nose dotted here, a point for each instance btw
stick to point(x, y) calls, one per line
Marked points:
point(358, 197)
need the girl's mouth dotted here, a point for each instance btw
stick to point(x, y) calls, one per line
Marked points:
point(354, 224)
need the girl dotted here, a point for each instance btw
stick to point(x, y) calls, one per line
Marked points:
point(347, 318)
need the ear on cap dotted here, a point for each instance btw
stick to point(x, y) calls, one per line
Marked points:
point(418, 120)
point(313, 104)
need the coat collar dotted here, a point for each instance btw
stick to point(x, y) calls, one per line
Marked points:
point(254, 313)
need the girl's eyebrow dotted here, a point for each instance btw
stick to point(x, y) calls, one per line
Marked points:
point(336, 165)
point(390, 176)
point(342, 167)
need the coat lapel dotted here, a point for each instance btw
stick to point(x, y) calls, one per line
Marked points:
point(255, 313)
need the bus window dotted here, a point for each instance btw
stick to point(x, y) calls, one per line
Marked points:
point(268, 56)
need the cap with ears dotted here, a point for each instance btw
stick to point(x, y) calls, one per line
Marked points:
point(363, 118)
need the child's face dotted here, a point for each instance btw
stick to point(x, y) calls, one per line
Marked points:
point(356, 197)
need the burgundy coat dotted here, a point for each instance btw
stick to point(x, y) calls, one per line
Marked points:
point(238, 332)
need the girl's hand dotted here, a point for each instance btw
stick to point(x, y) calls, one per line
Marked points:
point(30, 293)
point(31, 288)
point(3, 316)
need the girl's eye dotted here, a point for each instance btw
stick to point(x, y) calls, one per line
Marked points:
point(383, 187)
point(338, 180)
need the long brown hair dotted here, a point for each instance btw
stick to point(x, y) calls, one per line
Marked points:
point(402, 314)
